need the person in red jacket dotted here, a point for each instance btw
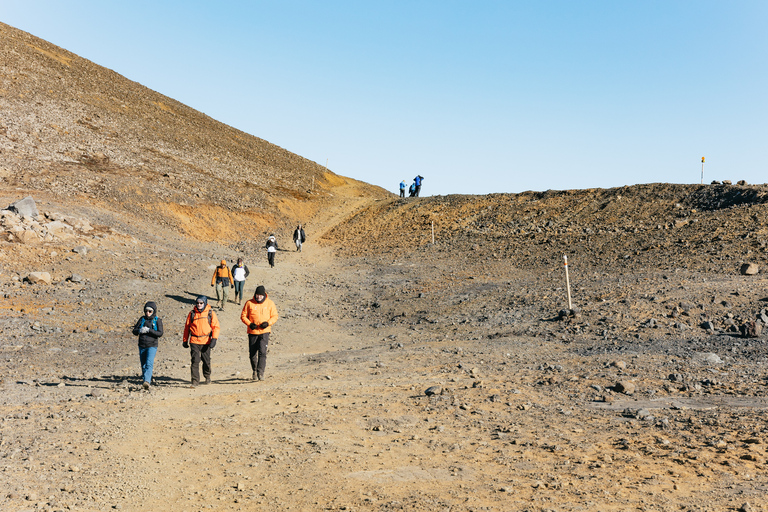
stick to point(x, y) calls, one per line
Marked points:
point(201, 331)
point(259, 314)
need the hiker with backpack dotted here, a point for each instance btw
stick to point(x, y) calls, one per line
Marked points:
point(412, 190)
point(222, 279)
point(259, 314)
point(148, 328)
point(201, 331)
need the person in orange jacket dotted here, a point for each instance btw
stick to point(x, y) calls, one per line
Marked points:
point(259, 314)
point(222, 279)
point(201, 331)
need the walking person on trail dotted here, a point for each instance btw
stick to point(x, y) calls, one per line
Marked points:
point(403, 186)
point(239, 273)
point(148, 328)
point(417, 181)
point(271, 250)
point(259, 314)
point(299, 237)
point(222, 279)
point(201, 331)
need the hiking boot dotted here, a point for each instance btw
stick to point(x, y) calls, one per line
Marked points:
point(260, 377)
point(193, 385)
point(253, 377)
point(207, 380)
point(145, 385)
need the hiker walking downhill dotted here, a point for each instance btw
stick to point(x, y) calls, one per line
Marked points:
point(299, 237)
point(239, 273)
point(222, 279)
point(259, 314)
point(201, 331)
point(148, 328)
point(271, 250)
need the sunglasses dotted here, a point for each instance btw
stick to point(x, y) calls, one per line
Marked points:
point(148, 310)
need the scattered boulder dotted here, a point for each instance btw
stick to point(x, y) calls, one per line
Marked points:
point(82, 250)
point(25, 208)
point(706, 358)
point(624, 386)
point(749, 269)
point(39, 277)
point(433, 390)
point(751, 329)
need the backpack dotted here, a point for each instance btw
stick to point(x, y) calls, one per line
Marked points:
point(154, 322)
point(210, 316)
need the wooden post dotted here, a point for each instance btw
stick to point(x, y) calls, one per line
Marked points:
point(433, 232)
point(567, 281)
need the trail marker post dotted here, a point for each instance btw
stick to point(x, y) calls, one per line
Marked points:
point(433, 232)
point(702, 170)
point(567, 281)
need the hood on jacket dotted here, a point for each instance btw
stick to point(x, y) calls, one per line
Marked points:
point(152, 305)
point(204, 300)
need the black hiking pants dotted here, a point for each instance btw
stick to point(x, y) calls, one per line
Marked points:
point(200, 353)
point(257, 352)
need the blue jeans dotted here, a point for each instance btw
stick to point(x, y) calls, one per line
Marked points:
point(147, 357)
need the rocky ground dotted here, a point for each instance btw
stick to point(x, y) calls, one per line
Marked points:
point(418, 377)
point(426, 356)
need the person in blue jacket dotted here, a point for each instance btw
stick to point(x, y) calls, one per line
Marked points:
point(403, 186)
point(417, 182)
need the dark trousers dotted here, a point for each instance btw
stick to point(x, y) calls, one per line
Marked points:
point(402, 192)
point(257, 352)
point(198, 353)
point(418, 189)
point(271, 259)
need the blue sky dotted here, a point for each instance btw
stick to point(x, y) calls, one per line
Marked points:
point(477, 97)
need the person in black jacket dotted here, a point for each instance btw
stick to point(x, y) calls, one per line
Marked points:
point(299, 237)
point(148, 328)
point(271, 250)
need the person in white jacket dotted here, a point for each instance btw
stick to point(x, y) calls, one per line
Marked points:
point(239, 273)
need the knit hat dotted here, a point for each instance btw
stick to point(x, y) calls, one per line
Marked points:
point(260, 291)
point(151, 305)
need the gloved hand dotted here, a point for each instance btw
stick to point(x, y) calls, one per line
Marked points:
point(232, 286)
point(253, 326)
point(264, 325)
point(211, 284)
point(144, 330)
point(185, 344)
point(213, 342)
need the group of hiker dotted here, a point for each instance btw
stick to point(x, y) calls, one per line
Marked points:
point(201, 333)
point(202, 328)
point(414, 189)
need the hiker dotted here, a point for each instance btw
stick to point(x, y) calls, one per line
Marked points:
point(412, 190)
point(222, 279)
point(271, 250)
point(403, 186)
point(239, 273)
point(299, 237)
point(201, 331)
point(417, 182)
point(259, 314)
point(148, 328)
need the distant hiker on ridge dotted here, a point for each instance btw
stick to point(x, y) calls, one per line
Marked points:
point(271, 250)
point(222, 279)
point(412, 190)
point(201, 331)
point(259, 314)
point(299, 237)
point(403, 186)
point(239, 273)
point(417, 181)
point(148, 328)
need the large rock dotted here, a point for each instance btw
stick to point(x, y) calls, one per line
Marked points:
point(706, 358)
point(625, 386)
point(25, 207)
point(749, 269)
point(39, 277)
point(27, 237)
point(59, 229)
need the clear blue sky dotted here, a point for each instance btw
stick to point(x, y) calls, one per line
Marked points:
point(476, 96)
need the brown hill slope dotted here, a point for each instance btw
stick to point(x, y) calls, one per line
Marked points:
point(80, 131)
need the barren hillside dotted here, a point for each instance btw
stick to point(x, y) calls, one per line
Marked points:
point(404, 373)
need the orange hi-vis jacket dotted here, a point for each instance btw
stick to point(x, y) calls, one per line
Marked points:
point(222, 274)
point(255, 313)
point(198, 330)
